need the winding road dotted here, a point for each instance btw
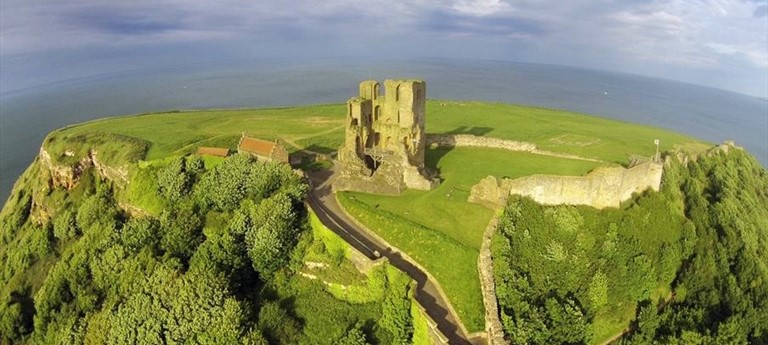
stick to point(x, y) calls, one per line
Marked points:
point(324, 204)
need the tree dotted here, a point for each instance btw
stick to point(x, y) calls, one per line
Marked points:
point(270, 233)
point(182, 232)
point(228, 183)
point(12, 322)
point(646, 324)
point(96, 209)
point(396, 307)
point(567, 322)
point(598, 290)
point(195, 165)
point(354, 336)
point(138, 233)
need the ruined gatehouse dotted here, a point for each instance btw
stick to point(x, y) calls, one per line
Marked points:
point(385, 140)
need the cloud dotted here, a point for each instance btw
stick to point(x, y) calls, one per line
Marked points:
point(754, 55)
point(486, 26)
point(660, 37)
point(760, 11)
point(481, 7)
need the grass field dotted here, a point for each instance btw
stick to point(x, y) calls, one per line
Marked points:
point(439, 228)
point(319, 128)
point(183, 132)
point(554, 130)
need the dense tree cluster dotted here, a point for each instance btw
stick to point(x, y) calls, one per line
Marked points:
point(210, 268)
point(721, 292)
point(689, 257)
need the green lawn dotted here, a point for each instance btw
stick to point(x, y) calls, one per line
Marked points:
point(319, 127)
point(553, 130)
point(445, 208)
point(182, 132)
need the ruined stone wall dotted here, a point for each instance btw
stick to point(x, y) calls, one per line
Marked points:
point(279, 153)
point(603, 187)
point(354, 176)
point(467, 140)
point(493, 325)
point(490, 192)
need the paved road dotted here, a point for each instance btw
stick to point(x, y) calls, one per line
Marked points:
point(323, 202)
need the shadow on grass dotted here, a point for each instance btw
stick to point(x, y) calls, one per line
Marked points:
point(433, 155)
point(320, 149)
point(309, 161)
point(472, 130)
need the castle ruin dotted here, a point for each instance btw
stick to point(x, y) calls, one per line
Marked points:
point(385, 140)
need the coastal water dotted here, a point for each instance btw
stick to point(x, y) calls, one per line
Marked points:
point(26, 116)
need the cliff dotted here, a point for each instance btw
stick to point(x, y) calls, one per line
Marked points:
point(67, 176)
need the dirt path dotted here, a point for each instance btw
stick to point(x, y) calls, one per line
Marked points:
point(292, 141)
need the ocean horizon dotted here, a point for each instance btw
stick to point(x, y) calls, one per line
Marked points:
point(714, 115)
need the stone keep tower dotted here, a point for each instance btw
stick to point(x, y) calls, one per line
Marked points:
point(385, 139)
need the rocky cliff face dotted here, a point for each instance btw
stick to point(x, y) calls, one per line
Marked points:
point(63, 176)
point(67, 176)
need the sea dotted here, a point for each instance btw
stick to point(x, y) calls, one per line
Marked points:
point(714, 115)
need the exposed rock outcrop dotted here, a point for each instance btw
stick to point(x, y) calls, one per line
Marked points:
point(64, 176)
point(117, 175)
point(67, 176)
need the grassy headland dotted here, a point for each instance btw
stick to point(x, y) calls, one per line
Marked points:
point(437, 228)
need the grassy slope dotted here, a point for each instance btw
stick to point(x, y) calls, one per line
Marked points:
point(443, 211)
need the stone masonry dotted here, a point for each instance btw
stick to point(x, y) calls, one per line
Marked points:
point(385, 140)
point(603, 187)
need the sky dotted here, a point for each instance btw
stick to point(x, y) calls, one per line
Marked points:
point(717, 43)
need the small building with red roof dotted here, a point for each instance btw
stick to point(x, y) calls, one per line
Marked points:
point(267, 150)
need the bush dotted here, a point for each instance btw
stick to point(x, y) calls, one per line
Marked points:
point(65, 226)
point(354, 336)
point(277, 325)
point(173, 181)
point(96, 209)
